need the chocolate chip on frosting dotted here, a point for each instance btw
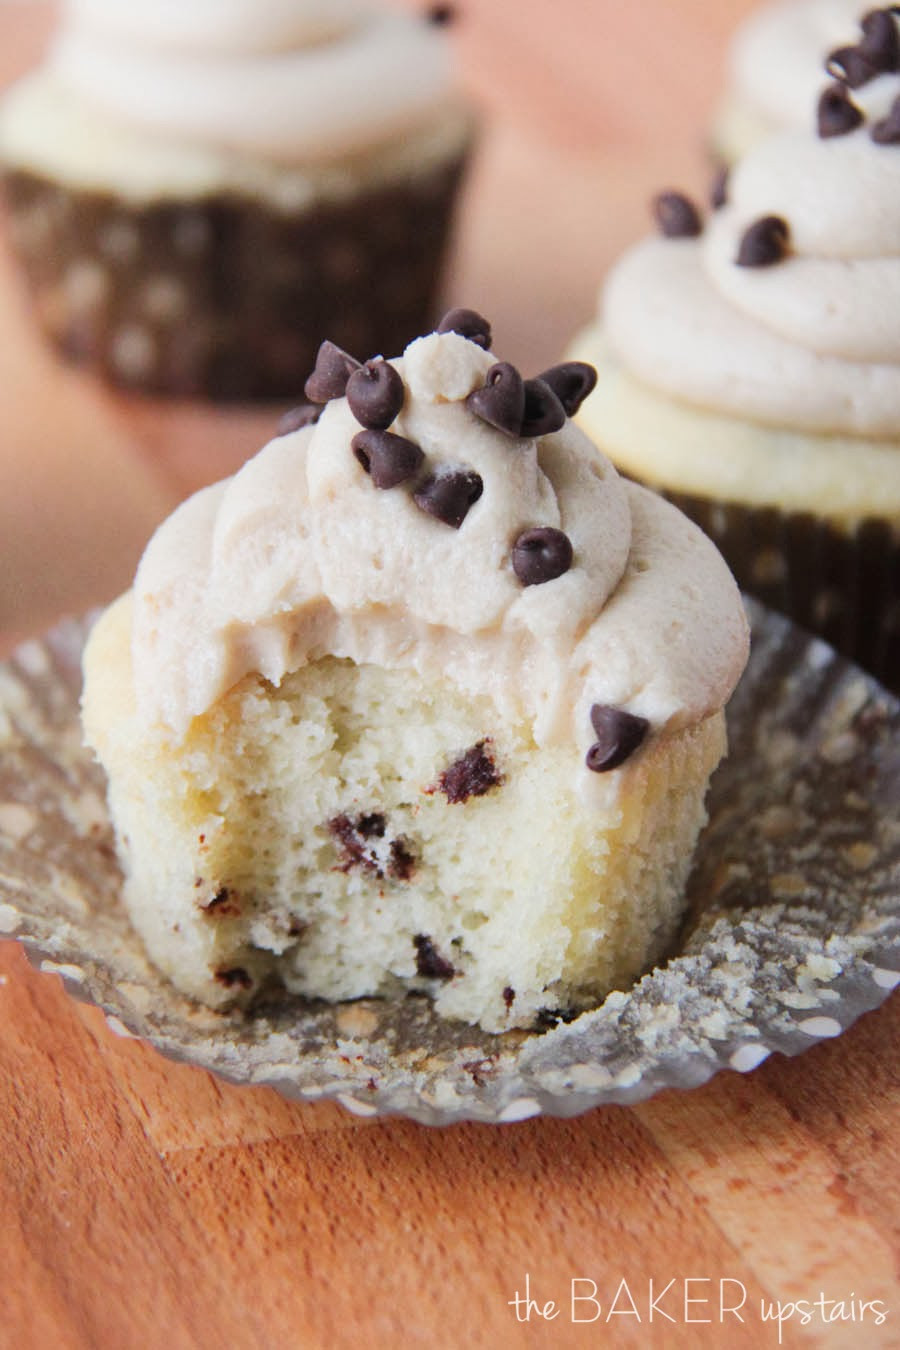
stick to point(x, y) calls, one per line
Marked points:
point(887, 131)
point(375, 394)
point(469, 324)
point(332, 371)
point(304, 415)
point(837, 114)
point(541, 555)
point(764, 242)
point(619, 733)
point(877, 52)
point(448, 494)
point(850, 65)
point(543, 411)
point(388, 459)
point(501, 399)
point(441, 15)
point(677, 216)
point(718, 192)
point(571, 382)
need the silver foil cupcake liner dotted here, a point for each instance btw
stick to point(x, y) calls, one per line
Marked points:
point(228, 297)
point(793, 929)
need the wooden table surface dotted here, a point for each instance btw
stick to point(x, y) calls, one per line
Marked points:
point(145, 1204)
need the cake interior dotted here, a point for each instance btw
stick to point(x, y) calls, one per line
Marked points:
point(362, 831)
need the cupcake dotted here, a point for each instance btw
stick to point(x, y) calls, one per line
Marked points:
point(750, 370)
point(775, 65)
point(200, 191)
point(426, 698)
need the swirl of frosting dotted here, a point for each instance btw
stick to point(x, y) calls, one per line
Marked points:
point(301, 555)
point(297, 81)
point(204, 26)
point(811, 342)
point(776, 58)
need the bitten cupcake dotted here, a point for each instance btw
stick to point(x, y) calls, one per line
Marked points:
point(425, 698)
point(775, 65)
point(749, 367)
point(200, 190)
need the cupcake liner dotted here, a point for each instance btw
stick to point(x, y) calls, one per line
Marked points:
point(226, 296)
point(793, 929)
point(843, 586)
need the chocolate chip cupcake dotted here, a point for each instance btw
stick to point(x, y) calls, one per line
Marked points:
point(200, 192)
point(425, 698)
point(750, 370)
point(775, 65)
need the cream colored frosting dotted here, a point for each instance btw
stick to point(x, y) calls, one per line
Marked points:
point(299, 81)
point(776, 60)
point(299, 556)
point(811, 342)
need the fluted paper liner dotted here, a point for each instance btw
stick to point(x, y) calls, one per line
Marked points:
point(794, 928)
point(226, 296)
point(842, 584)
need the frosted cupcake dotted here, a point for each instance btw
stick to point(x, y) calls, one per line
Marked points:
point(776, 63)
point(750, 369)
point(425, 698)
point(200, 190)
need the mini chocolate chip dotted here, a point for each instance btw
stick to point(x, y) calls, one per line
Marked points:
point(469, 324)
point(571, 382)
point(375, 393)
point(472, 775)
point(543, 411)
point(387, 458)
point(541, 555)
point(764, 242)
point(501, 399)
point(880, 43)
point(837, 114)
point(403, 860)
point(304, 415)
point(447, 496)
point(429, 961)
point(234, 978)
point(509, 996)
point(441, 15)
point(851, 66)
point(332, 371)
point(618, 733)
point(371, 826)
point(887, 131)
point(677, 216)
point(718, 192)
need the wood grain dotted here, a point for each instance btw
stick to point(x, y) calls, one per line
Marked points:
point(145, 1204)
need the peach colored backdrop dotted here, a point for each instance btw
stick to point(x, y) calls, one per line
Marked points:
point(146, 1205)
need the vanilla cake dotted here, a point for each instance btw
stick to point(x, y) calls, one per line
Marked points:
point(425, 698)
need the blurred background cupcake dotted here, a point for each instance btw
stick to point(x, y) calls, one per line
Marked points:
point(750, 367)
point(200, 189)
point(774, 68)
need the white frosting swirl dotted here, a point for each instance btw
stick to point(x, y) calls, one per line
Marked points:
point(300, 555)
point(811, 342)
point(204, 26)
point(292, 79)
point(776, 61)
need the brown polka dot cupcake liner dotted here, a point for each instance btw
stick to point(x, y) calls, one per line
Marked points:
point(844, 586)
point(228, 297)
